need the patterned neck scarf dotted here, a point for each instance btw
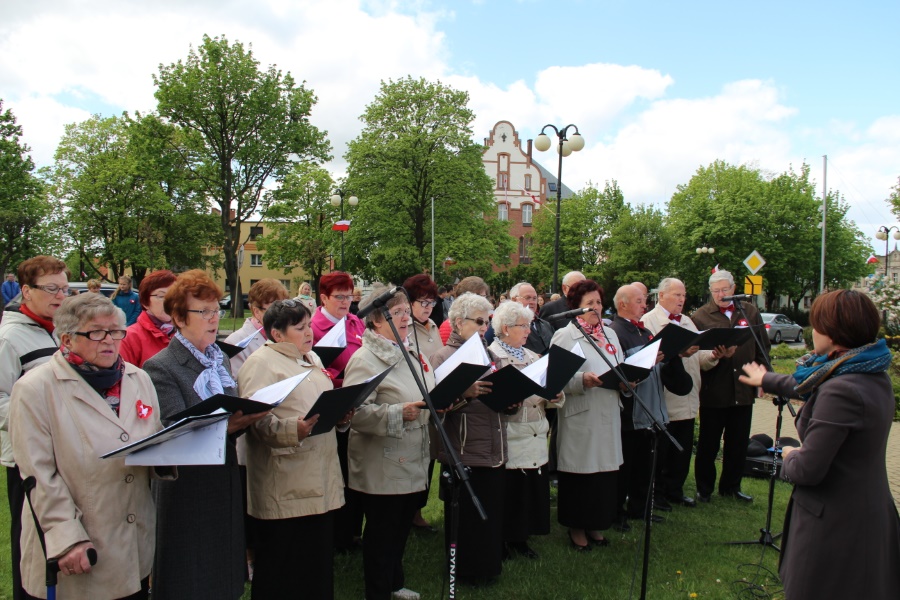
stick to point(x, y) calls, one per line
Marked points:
point(813, 370)
point(215, 378)
point(166, 328)
point(595, 331)
point(517, 353)
point(106, 382)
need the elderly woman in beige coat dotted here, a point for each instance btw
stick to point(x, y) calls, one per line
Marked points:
point(527, 482)
point(388, 446)
point(294, 481)
point(86, 401)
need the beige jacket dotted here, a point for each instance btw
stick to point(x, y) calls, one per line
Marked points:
point(59, 427)
point(681, 408)
point(386, 454)
point(287, 478)
point(527, 429)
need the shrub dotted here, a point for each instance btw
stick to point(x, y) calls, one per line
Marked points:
point(783, 351)
point(798, 316)
point(807, 337)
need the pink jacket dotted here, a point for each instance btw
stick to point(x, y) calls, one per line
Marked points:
point(355, 329)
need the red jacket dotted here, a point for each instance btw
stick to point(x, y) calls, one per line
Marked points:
point(143, 341)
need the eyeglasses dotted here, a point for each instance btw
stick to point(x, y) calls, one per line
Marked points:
point(399, 314)
point(290, 303)
point(427, 303)
point(98, 335)
point(479, 321)
point(208, 313)
point(523, 325)
point(158, 296)
point(342, 298)
point(721, 292)
point(53, 289)
point(527, 298)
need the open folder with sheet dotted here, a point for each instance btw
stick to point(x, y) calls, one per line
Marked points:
point(554, 370)
point(262, 400)
point(332, 405)
point(198, 440)
point(232, 350)
point(636, 367)
point(676, 339)
point(332, 343)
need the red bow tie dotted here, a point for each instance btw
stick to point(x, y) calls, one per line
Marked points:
point(636, 323)
point(725, 309)
point(676, 318)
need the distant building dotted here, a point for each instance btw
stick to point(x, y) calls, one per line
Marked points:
point(865, 284)
point(522, 187)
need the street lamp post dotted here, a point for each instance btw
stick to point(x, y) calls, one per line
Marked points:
point(564, 148)
point(884, 233)
point(704, 249)
point(338, 200)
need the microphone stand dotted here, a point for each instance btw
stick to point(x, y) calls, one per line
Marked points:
point(656, 428)
point(458, 474)
point(766, 538)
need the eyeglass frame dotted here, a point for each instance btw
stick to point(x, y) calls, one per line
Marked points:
point(105, 332)
point(65, 290)
point(213, 312)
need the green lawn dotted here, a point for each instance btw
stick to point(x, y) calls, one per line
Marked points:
point(687, 557)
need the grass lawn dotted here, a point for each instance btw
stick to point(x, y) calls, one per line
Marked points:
point(687, 557)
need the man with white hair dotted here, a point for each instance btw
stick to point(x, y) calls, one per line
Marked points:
point(541, 332)
point(561, 305)
point(674, 466)
point(726, 404)
point(637, 427)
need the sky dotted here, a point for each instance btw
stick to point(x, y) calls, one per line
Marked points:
point(657, 89)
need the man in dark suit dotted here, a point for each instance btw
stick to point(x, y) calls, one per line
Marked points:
point(541, 331)
point(560, 306)
point(726, 404)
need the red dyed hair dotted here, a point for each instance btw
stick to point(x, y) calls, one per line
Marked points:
point(420, 287)
point(335, 281)
point(151, 283)
point(266, 291)
point(194, 283)
point(33, 268)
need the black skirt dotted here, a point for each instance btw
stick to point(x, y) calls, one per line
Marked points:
point(527, 504)
point(586, 500)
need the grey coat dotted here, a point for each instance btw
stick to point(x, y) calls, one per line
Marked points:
point(199, 523)
point(841, 529)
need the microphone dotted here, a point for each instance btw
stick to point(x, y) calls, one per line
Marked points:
point(569, 314)
point(738, 297)
point(380, 301)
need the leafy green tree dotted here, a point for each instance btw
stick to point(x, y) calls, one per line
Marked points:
point(586, 223)
point(300, 215)
point(415, 148)
point(127, 201)
point(637, 249)
point(24, 208)
point(245, 126)
point(893, 199)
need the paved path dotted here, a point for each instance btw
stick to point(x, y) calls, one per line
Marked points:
point(765, 415)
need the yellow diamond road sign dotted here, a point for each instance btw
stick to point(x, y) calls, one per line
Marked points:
point(754, 262)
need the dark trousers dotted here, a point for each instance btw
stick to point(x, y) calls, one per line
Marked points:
point(675, 465)
point(348, 518)
point(734, 423)
point(15, 491)
point(288, 545)
point(388, 522)
point(143, 594)
point(634, 473)
point(553, 420)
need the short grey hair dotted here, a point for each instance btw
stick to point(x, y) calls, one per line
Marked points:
point(573, 277)
point(375, 316)
point(666, 283)
point(514, 290)
point(467, 304)
point(721, 276)
point(508, 314)
point(77, 310)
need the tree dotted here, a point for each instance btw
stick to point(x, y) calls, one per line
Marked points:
point(416, 148)
point(894, 199)
point(246, 126)
point(127, 201)
point(300, 215)
point(24, 207)
point(637, 249)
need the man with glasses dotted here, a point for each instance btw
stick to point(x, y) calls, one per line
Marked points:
point(541, 333)
point(726, 404)
point(27, 339)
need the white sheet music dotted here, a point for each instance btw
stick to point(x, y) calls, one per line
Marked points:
point(276, 393)
point(336, 336)
point(246, 341)
point(537, 371)
point(202, 446)
point(646, 358)
point(472, 352)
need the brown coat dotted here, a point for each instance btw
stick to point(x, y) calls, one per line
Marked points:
point(841, 530)
point(287, 478)
point(60, 427)
point(720, 387)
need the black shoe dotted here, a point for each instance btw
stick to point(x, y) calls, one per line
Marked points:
point(737, 495)
point(602, 542)
point(662, 504)
point(579, 548)
point(704, 497)
point(521, 549)
point(426, 528)
point(621, 524)
point(686, 501)
point(657, 518)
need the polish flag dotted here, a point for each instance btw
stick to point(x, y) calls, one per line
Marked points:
point(872, 260)
point(341, 226)
point(715, 269)
point(536, 200)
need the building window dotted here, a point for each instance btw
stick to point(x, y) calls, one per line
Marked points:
point(527, 182)
point(286, 283)
point(551, 185)
point(256, 260)
point(526, 214)
point(503, 181)
point(255, 232)
point(503, 211)
point(525, 249)
point(503, 171)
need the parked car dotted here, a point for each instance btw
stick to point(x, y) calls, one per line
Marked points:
point(780, 328)
point(225, 302)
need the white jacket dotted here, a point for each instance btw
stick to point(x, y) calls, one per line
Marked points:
point(23, 345)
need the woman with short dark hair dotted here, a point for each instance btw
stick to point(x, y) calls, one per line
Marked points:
point(841, 517)
point(200, 530)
